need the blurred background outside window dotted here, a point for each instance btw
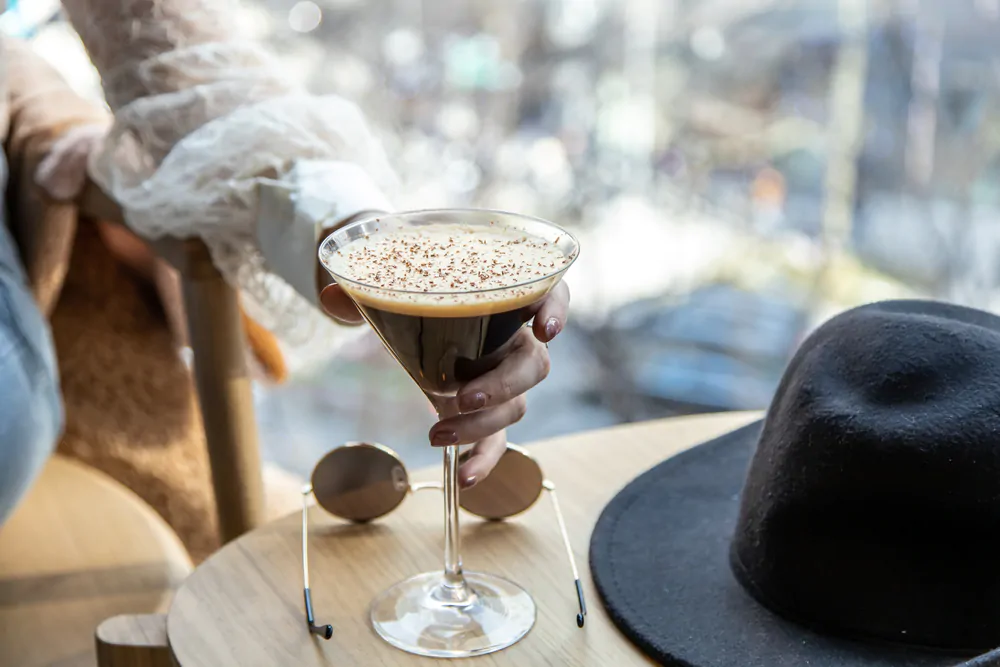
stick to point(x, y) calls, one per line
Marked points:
point(737, 171)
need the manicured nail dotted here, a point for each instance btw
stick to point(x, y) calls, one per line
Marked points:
point(444, 439)
point(469, 482)
point(552, 328)
point(472, 402)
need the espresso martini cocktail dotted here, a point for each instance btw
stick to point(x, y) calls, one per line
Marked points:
point(447, 291)
point(446, 298)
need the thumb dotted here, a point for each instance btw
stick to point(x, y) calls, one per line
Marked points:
point(339, 306)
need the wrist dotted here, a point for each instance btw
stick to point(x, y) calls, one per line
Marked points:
point(299, 212)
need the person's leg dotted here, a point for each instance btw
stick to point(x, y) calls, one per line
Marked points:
point(31, 412)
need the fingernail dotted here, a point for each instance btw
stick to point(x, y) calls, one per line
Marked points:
point(469, 482)
point(552, 328)
point(444, 438)
point(471, 402)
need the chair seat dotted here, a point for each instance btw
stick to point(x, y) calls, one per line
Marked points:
point(78, 550)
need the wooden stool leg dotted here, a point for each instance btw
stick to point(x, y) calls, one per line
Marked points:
point(224, 392)
point(133, 641)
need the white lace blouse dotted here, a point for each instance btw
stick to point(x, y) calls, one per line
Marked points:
point(205, 121)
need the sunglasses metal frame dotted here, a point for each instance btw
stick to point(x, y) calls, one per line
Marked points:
point(326, 631)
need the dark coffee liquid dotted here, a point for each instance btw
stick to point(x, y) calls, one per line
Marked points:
point(443, 353)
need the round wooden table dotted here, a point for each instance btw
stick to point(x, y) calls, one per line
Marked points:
point(243, 606)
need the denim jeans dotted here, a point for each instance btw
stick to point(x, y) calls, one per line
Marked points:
point(31, 412)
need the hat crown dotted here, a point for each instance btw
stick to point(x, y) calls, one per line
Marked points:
point(872, 503)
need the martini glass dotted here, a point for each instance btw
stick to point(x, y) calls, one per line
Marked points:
point(444, 339)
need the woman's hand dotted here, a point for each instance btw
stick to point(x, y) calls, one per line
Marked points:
point(491, 403)
point(62, 173)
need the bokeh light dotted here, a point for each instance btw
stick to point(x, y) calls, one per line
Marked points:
point(305, 16)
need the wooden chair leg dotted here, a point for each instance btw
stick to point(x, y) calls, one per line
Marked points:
point(133, 641)
point(224, 392)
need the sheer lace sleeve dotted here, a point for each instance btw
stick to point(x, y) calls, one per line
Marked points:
point(201, 118)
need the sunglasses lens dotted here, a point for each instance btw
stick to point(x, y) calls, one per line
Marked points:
point(360, 482)
point(512, 487)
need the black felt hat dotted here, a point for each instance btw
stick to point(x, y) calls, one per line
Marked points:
point(858, 524)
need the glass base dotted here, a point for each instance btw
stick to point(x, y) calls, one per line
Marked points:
point(425, 616)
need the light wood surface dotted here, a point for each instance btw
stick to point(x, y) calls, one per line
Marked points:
point(133, 641)
point(218, 345)
point(78, 549)
point(244, 605)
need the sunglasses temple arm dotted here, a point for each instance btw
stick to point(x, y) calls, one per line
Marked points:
point(324, 631)
point(582, 616)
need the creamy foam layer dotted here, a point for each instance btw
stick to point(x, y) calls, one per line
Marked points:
point(450, 269)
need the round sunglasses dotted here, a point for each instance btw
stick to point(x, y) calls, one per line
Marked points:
point(362, 481)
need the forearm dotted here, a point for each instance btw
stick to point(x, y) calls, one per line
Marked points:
point(293, 221)
point(165, 91)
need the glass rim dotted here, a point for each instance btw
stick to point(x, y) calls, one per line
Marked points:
point(492, 290)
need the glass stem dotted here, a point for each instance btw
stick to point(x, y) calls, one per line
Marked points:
point(454, 591)
point(452, 536)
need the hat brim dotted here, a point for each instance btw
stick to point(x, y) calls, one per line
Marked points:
point(659, 555)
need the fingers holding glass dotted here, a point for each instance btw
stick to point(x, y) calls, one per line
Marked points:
point(490, 404)
point(466, 429)
point(550, 314)
point(480, 461)
point(526, 365)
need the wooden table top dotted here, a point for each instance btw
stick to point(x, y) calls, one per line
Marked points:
point(244, 605)
point(79, 548)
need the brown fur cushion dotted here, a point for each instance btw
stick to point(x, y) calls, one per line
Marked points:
point(131, 406)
